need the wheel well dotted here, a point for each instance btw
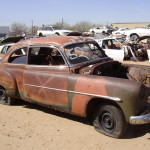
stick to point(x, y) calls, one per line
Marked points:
point(134, 34)
point(94, 104)
point(40, 34)
point(57, 33)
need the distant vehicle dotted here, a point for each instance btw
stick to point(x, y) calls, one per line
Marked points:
point(103, 29)
point(44, 31)
point(119, 31)
point(111, 46)
point(5, 47)
point(3, 35)
point(134, 34)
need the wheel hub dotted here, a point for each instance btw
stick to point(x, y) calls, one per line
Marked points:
point(107, 121)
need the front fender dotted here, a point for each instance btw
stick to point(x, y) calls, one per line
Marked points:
point(121, 91)
point(133, 95)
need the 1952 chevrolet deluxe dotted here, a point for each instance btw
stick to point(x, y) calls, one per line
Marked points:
point(73, 74)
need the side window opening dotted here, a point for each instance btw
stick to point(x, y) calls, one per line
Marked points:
point(18, 56)
point(44, 56)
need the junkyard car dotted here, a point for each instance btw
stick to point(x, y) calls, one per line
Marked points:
point(45, 31)
point(137, 50)
point(103, 29)
point(120, 31)
point(112, 48)
point(134, 34)
point(5, 47)
point(73, 74)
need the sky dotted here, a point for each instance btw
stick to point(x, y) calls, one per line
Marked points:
point(46, 12)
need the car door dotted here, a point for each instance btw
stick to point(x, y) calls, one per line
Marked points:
point(15, 66)
point(113, 50)
point(46, 79)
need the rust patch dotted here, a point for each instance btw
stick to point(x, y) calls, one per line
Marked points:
point(85, 85)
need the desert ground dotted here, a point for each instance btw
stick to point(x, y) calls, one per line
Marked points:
point(26, 126)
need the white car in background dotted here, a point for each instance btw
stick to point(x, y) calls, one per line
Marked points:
point(134, 34)
point(120, 31)
point(111, 46)
point(103, 30)
point(46, 31)
point(5, 47)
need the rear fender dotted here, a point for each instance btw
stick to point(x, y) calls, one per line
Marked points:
point(8, 82)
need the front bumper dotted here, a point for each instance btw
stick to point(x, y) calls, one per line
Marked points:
point(142, 119)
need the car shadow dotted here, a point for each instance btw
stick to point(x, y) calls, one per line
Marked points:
point(52, 112)
point(134, 131)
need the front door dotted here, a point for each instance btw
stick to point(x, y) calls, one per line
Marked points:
point(46, 77)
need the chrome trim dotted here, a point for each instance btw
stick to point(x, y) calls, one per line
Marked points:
point(88, 94)
point(45, 66)
point(143, 119)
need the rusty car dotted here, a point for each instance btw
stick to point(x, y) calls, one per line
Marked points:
point(74, 75)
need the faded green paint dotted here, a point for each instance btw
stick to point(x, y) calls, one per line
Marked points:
point(22, 96)
point(71, 87)
point(128, 92)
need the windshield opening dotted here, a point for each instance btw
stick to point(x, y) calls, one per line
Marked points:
point(83, 52)
point(58, 28)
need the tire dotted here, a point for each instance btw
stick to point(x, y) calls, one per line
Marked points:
point(109, 120)
point(40, 34)
point(4, 99)
point(134, 37)
point(103, 33)
point(93, 32)
point(57, 34)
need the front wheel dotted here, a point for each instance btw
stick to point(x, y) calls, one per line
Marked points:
point(134, 37)
point(4, 99)
point(110, 121)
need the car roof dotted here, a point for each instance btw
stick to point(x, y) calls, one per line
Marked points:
point(59, 41)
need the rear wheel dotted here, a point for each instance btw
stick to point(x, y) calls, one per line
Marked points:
point(57, 34)
point(40, 34)
point(134, 37)
point(4, 99)
point(103, 32)
point(93, 32)
point(110, 121)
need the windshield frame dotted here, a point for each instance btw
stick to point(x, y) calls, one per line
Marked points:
point(104, 56)
point(58, 28)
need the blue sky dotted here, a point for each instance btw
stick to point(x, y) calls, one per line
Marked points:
point(73, 11)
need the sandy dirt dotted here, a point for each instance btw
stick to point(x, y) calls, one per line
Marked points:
point(27, 126)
